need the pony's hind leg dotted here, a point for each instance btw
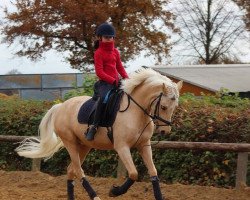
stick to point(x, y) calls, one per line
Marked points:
point(83, 153)
point(125, 156)
point(70, 182)
point(77, 154)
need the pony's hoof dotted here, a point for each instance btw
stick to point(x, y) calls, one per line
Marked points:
point(114, 191)
point(96, 198)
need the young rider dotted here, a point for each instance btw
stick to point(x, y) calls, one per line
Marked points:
point(108, 66)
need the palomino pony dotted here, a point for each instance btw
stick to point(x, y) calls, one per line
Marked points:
point(149, 99)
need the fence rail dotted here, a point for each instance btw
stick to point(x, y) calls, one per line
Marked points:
point(241, 148)
point(11, 138)
point(207, 146)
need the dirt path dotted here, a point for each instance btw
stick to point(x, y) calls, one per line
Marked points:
point(40, 186)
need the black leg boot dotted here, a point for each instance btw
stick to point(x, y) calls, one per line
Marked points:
point(92, 194)
point(70, 189)
point(156, 188)
point(119, 190)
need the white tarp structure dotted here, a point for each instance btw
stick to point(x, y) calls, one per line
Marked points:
point(235, 78)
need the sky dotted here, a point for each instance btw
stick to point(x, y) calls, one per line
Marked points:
point(54, 62)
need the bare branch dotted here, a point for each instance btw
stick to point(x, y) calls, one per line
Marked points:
point(209, 27)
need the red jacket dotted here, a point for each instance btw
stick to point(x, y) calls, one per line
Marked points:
point(108, 64)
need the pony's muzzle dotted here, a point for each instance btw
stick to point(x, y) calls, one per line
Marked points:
point(163, 129)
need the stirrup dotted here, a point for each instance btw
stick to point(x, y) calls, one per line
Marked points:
point(91, 133)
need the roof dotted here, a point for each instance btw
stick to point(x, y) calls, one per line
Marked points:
point(234, 77)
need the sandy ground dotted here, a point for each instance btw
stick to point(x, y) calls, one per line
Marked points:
point(36, 185)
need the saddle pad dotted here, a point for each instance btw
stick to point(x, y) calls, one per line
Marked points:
point(111, 107)
point(85, 112)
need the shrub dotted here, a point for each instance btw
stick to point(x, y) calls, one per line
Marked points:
point(218, 118)
point(18, 117)
point(87, 88)
point(206, 119)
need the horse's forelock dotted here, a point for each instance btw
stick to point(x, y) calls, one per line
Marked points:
point(173, 94)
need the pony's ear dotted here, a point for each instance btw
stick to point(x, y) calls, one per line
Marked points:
point(165, 88)
point(179, 85)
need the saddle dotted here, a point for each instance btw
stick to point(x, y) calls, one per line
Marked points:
point(111, 105)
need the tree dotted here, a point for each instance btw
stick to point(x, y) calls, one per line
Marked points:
point(13, 71)
point(209, 29)
point(69, 26)
point(245, 4)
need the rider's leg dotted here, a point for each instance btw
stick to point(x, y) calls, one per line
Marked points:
point(97, 118)
point(102, 90)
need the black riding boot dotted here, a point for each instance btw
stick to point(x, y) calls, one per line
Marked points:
point(97, 117)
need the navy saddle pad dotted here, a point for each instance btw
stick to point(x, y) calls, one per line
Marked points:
point(110, 109)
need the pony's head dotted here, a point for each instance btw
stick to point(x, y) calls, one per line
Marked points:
point(167, 104)
point(163, 95)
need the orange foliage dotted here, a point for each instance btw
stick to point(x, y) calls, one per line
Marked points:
point(4, 96)
point(69, 26)
point(245, 4)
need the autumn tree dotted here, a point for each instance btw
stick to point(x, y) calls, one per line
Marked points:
point(69, 26)
point(13, 71)
point(245, 4)
point(209, 30)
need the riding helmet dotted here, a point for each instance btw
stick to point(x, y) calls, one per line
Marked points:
point(105, 29)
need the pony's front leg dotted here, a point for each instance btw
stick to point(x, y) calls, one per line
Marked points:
point(125, 155)
point(146, 154)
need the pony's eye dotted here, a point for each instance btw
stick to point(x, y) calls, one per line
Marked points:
point(164, 107)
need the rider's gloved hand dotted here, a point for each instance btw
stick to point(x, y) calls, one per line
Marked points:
point(115, 85)
point(119, 83)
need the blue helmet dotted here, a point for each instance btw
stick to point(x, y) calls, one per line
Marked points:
point(105, 29)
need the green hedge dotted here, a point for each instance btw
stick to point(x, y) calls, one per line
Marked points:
point(210, 119)
point(18, 117)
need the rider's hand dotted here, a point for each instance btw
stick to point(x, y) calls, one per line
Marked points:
point(119, 83)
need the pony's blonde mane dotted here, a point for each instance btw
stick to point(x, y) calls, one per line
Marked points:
point(148, 76)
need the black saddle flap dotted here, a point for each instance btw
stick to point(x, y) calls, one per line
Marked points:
point(111, 107)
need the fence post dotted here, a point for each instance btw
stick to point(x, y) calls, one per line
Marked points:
point(241, 172)
point(36, 164)
point(121, 169)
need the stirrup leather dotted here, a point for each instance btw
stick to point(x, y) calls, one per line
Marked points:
point(91, 133)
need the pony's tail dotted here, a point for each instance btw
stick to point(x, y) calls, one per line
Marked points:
point(48, 143)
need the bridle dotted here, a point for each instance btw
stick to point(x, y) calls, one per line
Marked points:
point(156, 115)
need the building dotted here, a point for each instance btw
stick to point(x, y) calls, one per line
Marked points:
point(210, 79)
point(40, 86)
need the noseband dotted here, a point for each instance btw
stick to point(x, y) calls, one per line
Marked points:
point(156, 115)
